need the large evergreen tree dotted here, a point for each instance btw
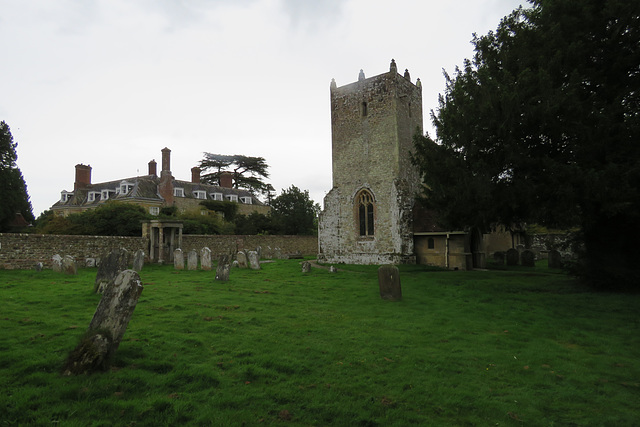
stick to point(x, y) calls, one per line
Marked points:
point(249, 173)
point(14, 198)
point(543, 125)
point(294, 212)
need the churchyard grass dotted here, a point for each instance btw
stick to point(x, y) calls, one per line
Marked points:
point(275, 346)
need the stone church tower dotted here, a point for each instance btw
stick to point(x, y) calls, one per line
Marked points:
point(367, 217)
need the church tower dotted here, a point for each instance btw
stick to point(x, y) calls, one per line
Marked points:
point(367, 216)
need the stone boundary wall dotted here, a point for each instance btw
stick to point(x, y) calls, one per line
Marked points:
point(22, 251)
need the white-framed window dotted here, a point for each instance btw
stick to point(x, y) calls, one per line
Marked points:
point(232, 197)
point(178, 192)
point(92, 196)
point(245, 200)
point(216, 196)
point(104, 194)
point(154, 210)
point(65, 196)
point(204, 213)
point(199, 194)
point(125, 187)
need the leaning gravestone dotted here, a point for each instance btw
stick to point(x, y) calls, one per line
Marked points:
point(56, 263)
point(389, 283)
point(192, 260)
point(242, 260)
point(498, 257)
point(513, 256)
point(107, 327)
point(138, 260)
point(178, 259)
point(306, 267)
point(254, 260)
point(69, 265)
point(110, 267)
point(528, 258)
point(222, 270)
point(555, 259)
point(205, 258)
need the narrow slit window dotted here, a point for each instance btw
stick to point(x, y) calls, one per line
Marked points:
point(364, 109)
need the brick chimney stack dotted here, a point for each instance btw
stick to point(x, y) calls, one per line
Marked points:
point(153, 168)
point(226, 179)
point(166, 162)
point(165, 188)
point(83, 177)
point(195, 175)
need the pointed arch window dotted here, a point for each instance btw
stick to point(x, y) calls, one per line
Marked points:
point(366, 216)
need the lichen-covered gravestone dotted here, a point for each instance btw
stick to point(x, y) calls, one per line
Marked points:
point(241, 257)
point(498, 257)
point(56, 263)
point(389, 283)
point(192, 260)
point(69, 265)
point(513, 257)
point(223, 268)
point(254, 261)
point(107, 327)
point(306, 267)
point(138, 260)
point(555, 259)
point(332, 269)
point(178, 259)
point(110, 267)
point(205, 259)
point(528, 258)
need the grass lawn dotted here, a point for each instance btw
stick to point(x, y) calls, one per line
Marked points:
point(516, 347)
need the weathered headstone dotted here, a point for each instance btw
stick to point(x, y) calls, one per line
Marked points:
point(178, 259)
point(277, 253)
point(242, 260)
point(222, 270)
point(56, 263)
point(389, 283)
point(254, 261)
point(69, 265)
point(192, 260)
point(513, 257)
point(332, 269)
point(38, 266)
point(138, 260)
point(110, 267)
point(306, 267)
point(259, 252)
point(528, 258)
point(90, 262)
point(235, 264)
point(555, 259)
point(498, 257)
point(107, 327)
point(205, 259)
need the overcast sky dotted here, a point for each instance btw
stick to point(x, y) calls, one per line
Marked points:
point(110, 83)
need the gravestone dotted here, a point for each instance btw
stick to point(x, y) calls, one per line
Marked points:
point(513, 256)
point(235, 264)
point(389, 283)
point(192, 260)
point(242, 260)
point(277, 253)
point(110, 266)
point(528, 258)
point(259, 252)
point(498, 257)
point(332, 269)
point(107, 327)
point(56, 263)
point(69, 265)
point(222, 270)
point(555, 259)
point(254, 261)
point(90, 262)
point(138, 260)
point(178, 259)
point(38, 266)
point(205, 259)
point(306, 267)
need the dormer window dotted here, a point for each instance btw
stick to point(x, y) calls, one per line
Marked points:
point(65, 196)
point(216, 196)
point(178, 192)
point(125, 187)
point(104, 194)
point(232, 198)
point(198, 194)
point(91, 197)
point(245, 200)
